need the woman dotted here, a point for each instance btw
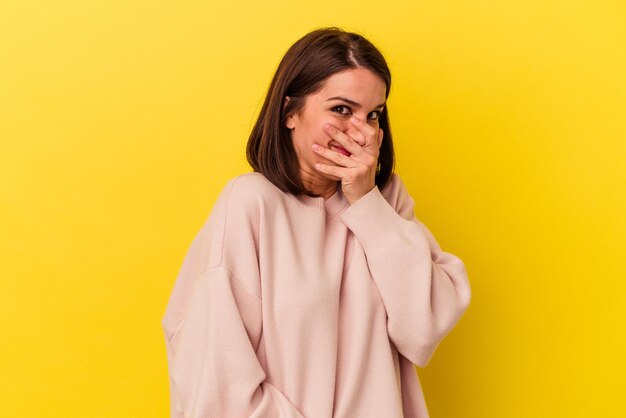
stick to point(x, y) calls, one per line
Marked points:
point(312, 290)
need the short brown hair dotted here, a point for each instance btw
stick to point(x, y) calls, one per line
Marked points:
point(302, 71)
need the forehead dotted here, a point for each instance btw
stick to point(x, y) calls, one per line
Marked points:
point(358, 84)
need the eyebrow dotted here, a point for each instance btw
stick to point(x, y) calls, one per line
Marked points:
point(352, 102)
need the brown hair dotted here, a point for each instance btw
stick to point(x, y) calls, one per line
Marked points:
point(302, 71)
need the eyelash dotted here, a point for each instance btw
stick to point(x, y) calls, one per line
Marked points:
point(336, 107)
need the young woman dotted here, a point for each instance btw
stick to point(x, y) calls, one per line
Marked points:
point(312, 289)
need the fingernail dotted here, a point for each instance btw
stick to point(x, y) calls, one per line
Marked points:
point(316, 147)
point(354, 119)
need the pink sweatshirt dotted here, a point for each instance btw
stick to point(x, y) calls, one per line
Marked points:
point(294, 306)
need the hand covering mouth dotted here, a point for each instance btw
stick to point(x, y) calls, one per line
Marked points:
point(342, 150)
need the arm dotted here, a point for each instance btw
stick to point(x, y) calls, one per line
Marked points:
point(213, 322)
point(214, 370)
point(424, 289)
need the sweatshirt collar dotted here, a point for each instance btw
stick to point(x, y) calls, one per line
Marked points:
point(331, 206)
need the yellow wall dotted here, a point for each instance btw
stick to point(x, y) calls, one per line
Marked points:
point(120, 121)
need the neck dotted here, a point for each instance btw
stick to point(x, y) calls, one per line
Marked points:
point(320, 186)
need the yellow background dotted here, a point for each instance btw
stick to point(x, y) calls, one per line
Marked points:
point(120, 122)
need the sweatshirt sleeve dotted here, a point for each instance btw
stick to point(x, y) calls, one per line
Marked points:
point(214, 369)
point(212, 328)
point(425, 290)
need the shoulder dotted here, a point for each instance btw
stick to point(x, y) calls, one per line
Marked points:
point(245, 198)
point(233, 221)
point(396, 193)
point(394, 187)
point(246, 192)
point(252, 183)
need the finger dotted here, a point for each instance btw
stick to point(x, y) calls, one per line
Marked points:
point(339, 172)
point(334, 156)
point(369, 132)
point(348, 143)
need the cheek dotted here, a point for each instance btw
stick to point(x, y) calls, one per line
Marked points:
point(320, 134)
point(314, 128)
point(342, 124)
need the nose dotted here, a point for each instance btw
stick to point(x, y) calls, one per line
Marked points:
point(353, 132)
point(357, 136)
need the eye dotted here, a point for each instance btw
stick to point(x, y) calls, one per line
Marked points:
point(337, 109)
point(334, 109)
point(377, 114)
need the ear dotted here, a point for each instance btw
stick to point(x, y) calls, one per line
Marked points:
point(290, 123)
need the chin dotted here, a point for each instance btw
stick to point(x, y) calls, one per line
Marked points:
point(331, 177)
point(325, 176)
